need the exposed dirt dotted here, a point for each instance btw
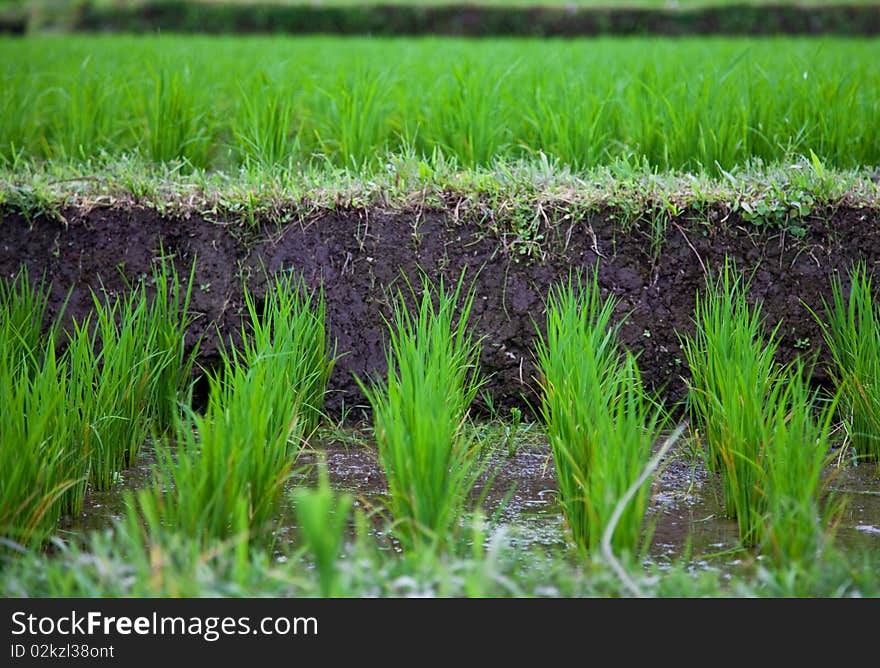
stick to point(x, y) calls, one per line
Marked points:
point(358, 255)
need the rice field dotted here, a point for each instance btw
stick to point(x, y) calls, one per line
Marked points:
point(221, 477)
point(699, 105)
point(151, 449)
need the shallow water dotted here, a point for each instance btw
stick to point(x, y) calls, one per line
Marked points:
point(685, 514)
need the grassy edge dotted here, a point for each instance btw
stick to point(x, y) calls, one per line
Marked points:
point(780, 193)
point(517, 201)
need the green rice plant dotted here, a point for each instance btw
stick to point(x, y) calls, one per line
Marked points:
point(796, 453)
point(761, 427)
point(290, 327)
point(265, 135)
point(472, 122)
point(23, 306)
point(20, 130)
point(37, 422)
point(707, 104)
point(734, 380)
point(853, 337)
point(225, 475)
point(568, 121)
point(82, 127)
point(601, 422)
point(42, 475)
point(168, 318)
point(114, 369)
point(419, 414)
point(352, 126)
point(176, 128)
point(322, 517)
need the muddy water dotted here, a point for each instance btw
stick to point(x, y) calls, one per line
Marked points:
point(521, 495)
point(860, 522)
point(102, 508)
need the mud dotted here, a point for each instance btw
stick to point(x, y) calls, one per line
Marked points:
point(518, 493)
point(361, 256)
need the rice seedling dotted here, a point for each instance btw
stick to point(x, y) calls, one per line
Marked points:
point(290, 328)
point(265, 135)
point(23, 306)
point(129, 370)
point(42, 474)
point(797, 437)
point(322, 517)
point(733, 377)
point(176, 127)
point(601, 422)
point(114, 369)
point(352, 125)
point(473, 123)
point(761, 427)
point(84, 128)
point(853, 337)
point(224, 475)
point(568, 121)
point(168, 318)
point(704, 104)
point(419, 414)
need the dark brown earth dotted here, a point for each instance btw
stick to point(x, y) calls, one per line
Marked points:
point(357, 255)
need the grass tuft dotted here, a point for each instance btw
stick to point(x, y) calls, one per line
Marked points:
point(601, 422)
point(419, 414)
point(322, 516)
point(224, 475)
point(853, 336)
point(762, 429)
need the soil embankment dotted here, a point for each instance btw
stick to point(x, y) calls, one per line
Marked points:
point(360, 256)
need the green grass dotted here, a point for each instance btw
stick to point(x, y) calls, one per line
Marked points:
point(322, 516)
point(115, 364)
point(43, 474)
point(763, 431)
point(852, 333)
point(601, 422)
point(698, 105)
point(124, 561)
point(289, 331)
point(223, 473)
point(428, 456)
point(513, 198)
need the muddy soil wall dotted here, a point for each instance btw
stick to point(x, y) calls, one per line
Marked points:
point(360, 257)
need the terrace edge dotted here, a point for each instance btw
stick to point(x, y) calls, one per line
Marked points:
point(359, 255)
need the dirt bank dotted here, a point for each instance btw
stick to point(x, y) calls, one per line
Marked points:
point(357, 255)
